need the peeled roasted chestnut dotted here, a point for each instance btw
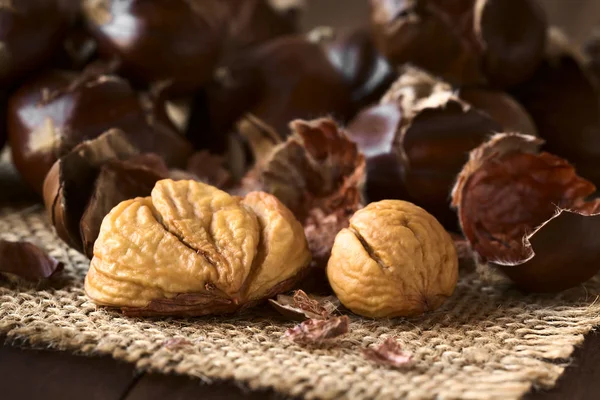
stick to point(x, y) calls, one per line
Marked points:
point(563, 100)
point(31, 31)
point(364, 68)
point(416, 140)
point(181, 41)
point(527, 213)
point(285, 79)
point(55, 111)
point(499, 41)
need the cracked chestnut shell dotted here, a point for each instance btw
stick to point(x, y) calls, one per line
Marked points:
point(190, 249)
point(527, 213)
point(55, 111)
point(30, 32)
point(416, 141)
point(394, 260)
point(563, 100)
point(497, 41)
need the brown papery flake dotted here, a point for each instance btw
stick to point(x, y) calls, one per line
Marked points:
point(316, 331)
point(27, 261)
point(388, 353)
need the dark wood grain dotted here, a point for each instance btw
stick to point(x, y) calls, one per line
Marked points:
point(43, 374)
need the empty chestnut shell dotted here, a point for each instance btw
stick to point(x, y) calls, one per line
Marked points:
point(526, 213)
point(364, 68)
point(563, 100)
point(55, 111)
point(498, 41)
point(30, 32)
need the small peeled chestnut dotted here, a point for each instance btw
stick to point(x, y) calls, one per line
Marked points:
point(463, 41)
point(528, 214)
point(190, 249)
point(57, 110)
point(394, 260)
point(31, 30)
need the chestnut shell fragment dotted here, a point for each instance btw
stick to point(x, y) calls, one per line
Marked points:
point(55, 111)
point(30, 32)
point(27, 261)
point(526, 213)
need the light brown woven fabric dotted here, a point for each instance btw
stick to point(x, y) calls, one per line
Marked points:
point(487, 342)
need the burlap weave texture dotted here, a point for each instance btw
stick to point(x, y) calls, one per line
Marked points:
point(487, 342)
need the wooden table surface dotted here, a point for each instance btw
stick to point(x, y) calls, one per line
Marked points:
point(42, 374)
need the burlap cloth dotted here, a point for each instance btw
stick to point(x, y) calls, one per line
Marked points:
point(487, 342)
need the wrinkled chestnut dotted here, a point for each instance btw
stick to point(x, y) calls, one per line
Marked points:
point(500, 41)
point(365, 70)
point(181, 41)
point(55, 111)
point(31, 30)
point(526, 213)
point(416, 140)
point(564, 102)
point(282, 80)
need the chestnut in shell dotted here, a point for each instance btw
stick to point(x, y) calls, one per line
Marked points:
point(496, 41)
point(181, 41)
point(282, 80)
point(527, 213)
point(563, 99)
point(55, 111)
point(416, 140)
point(30, 32)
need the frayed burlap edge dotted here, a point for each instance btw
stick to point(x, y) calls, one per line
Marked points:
point(487, 342)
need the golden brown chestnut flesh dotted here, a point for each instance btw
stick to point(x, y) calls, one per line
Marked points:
point(526, 213)
point(55, 111)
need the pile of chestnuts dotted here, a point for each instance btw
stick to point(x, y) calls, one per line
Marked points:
point(420, 92)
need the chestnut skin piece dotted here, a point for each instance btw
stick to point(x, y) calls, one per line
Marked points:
point(30, 32)
point(527, 213)
point(563, 99)
point(364, 68)
point(55, 111)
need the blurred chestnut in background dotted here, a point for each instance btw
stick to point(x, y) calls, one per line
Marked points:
point(592, 51)
point(55, 111)
point(502, 107)
point(181, 41)
point(284, 79)
point(463, 41)
point(416, 141)
point(30, 33)
point(365, 70)
point(563, 99)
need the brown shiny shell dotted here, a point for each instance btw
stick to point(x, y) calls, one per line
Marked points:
point(55, 111)
point(30, 31)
